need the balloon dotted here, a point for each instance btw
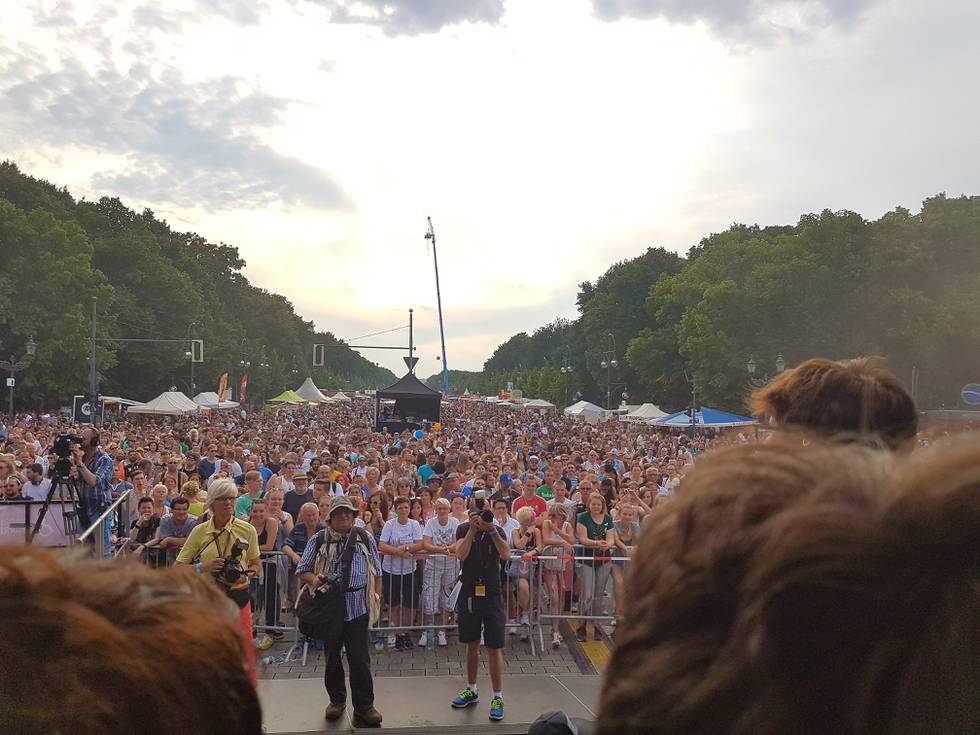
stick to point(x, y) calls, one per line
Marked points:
point(418, 434)
point(437, 427)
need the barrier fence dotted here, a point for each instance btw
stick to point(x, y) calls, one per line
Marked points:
point(538, 593)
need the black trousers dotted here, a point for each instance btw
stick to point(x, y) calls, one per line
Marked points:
point(353, 636)
point(272, 592)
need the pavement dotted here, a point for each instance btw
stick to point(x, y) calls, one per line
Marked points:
point(570, 658)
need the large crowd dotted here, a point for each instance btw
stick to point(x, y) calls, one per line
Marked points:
point(817, 575)
point(555, 484)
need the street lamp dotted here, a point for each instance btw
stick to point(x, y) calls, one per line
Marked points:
point(609, 361)
point(750, 368)
point(14, 366)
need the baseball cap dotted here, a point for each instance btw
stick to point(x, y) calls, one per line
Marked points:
point(533, 458)
point(558, 723)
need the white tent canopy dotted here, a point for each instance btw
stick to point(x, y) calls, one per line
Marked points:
point(170, 403)
point(209, 399)
point(339, 396)
point(645, 414)
point(589, 411)
point(309, 392)
point(539, 403)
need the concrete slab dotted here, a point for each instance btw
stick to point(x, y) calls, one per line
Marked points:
point(421, 704)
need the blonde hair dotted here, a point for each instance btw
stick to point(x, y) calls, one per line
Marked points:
point(524, 515)
point(441, 503)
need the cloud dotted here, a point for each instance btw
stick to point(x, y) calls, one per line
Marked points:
point(184, 143)
point(412, 17)
point(756, 21)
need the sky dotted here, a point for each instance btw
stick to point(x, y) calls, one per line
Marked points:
point(547, 139)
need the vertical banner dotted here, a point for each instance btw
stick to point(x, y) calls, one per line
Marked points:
point(222, 387)
point(241, 391)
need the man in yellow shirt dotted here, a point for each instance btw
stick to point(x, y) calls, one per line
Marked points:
point(215, 545)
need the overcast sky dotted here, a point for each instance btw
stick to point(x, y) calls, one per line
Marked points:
point(546, 138)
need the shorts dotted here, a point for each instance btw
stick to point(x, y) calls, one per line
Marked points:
point(400, 589)
point(478, 616)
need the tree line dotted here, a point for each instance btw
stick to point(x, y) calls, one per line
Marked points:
point(150, 282)
point(905, 287)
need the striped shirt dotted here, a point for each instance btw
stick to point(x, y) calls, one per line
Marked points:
point(356, 599)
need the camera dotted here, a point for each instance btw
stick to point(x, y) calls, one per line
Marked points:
point(331, 583)
point(480, 503)
point(580, 508)
point(232, 571)
point(62, 449)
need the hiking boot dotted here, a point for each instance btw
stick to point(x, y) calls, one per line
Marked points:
point(368, 718)
point(335, 710)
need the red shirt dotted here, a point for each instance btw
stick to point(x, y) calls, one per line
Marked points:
point(537, 504)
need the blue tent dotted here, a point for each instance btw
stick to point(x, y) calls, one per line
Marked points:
point(710, 418)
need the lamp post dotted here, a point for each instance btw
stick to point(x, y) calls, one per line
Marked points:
point(608, 363)
point(758, 382)
point(190, 355)
point(14, 366)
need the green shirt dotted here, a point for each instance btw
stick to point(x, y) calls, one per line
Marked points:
point(243, 506)
point(596, 532)
point(546, 492)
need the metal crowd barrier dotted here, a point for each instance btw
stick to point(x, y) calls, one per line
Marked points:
point(578, 589)
point(426, 589)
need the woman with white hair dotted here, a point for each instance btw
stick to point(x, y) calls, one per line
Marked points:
point(441, 569)
point(221, 543)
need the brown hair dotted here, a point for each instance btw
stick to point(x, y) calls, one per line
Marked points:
point(846, 399)
point(806, 589)
point(119, 648)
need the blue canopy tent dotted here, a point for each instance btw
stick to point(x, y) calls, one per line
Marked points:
point(708, 418)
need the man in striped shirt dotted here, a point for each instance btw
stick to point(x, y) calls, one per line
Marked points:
point(323, 555)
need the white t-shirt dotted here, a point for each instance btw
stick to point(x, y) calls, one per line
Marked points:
point(396, 534)
point(508, 527)
point(441, 535)
point(36, 492)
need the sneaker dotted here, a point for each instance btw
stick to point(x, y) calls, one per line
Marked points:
point(512, 627)
point(379, 645)
point(525, 620)
point(582, 634)
point(392, 641)
point(556, 640)
point(399, 643)
point(407, 644)
point(497, 708)
point(265, 643)
point(465, 698)
point(441, 638)
point(424, 640)
point(525, 632)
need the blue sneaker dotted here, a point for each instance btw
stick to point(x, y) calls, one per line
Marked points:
point(466, 698)
point(497, 708)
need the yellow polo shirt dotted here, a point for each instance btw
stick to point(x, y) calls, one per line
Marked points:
point(211, 543)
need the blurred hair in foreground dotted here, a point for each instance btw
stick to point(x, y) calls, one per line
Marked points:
point(112, 647)
point(857, 400)
point(806, 588)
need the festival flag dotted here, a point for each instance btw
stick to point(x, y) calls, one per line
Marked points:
point(241, 390)
point(222, 387)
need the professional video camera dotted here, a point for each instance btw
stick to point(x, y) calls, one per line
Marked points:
point(232, 571)
point(480, 502)
point(62, 449)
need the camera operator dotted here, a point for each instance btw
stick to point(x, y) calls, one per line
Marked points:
point(481, 546)
point(91, 469)
point(322, 559)
point(227, 548)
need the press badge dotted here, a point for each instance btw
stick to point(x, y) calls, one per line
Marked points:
point(480, 590)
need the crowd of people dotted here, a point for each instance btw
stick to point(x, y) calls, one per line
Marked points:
point(808, 552)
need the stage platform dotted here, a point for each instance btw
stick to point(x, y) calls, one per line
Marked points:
point(420, 704)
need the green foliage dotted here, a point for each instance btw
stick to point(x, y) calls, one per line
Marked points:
point(151, 282)
point(905, 287)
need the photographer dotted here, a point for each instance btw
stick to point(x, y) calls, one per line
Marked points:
point(352, 563)
point(91, 469)
point(481, 546)
point(228, 549)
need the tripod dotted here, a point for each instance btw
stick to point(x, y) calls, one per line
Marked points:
point(65, 487)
